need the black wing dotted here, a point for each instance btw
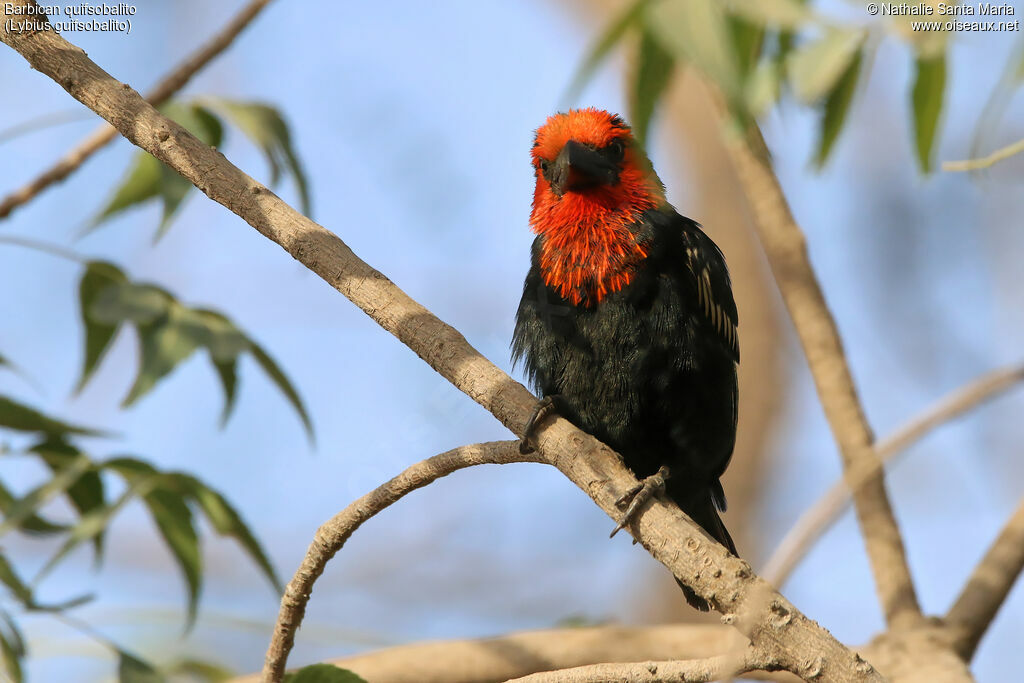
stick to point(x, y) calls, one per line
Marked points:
point(714, 290)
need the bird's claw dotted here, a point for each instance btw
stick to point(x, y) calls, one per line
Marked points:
point(544, 407)
point(638, 496)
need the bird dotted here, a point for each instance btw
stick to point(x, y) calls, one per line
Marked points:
point(627, 326)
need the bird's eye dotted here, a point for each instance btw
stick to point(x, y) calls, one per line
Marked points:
point(616, 149)
point(544, 165)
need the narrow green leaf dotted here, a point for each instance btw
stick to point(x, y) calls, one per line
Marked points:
point(97, 277)
point(173, 190)
point(815, 68)
point(747, 40)
point(23, 508)
point(926, 97)
point(226, 521)
point(86, 493)
point(12, 647)
point(652, 74)
point(791, 14)
point(130, 302)
point(163, 345)
point(34, 524)
point(19, 589)
point(274, 372)
point(323, 673)
point(696, 31)
point(609, 38)
point(227, 372)
point(267, 129)
point(21, 418)
point(141, 183)
point(214, 331)
point(133, 670)
point(173, 519)
point(837, 104)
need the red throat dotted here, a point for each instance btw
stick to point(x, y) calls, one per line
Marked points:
point(588, 247)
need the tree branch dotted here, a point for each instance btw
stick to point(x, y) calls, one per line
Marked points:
point(331, 536)
point(163, 91)
point(677, 671)
point(823, 514)
point(988, 586)
point(786, 248)
point(759, 612)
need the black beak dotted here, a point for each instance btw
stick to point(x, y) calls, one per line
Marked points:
point(578, 167)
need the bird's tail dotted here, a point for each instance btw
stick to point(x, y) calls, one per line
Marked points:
point(704, 511)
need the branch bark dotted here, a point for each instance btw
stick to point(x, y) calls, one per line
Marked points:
point(988, 586)
point(746, 601)
point(818, 518)
point(678, 671)
point(331, 536)
point(786, 247)
point(163, 91)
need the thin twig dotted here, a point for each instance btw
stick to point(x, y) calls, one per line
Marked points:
point(818, 518)
point(990, 583)
point(749, 603)
point(163, 91)
point(331, 536)
point(786, 248)
point(987, 161)
point(685, 671)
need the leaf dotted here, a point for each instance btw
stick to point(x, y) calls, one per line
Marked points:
point(653, 72)
point(98, 276)
point(926, 96)
point(33, 524)
point(21, 418)
point(791, 14)
point(837, 105)
point(226, 521)
point(762, 89)
point(267, 129)
point(19, 589)
point(282, 382)
point(163, 344)
point(12, 647)
point(612, 35)
point(199, 669)
point(227, 372)
point(696, 31)
point(323, 673)
point(86, 493)
point(133, 670)
point(173, 519)
point(747, 40)
point(149, 178)
point(26, 506)
point(130, 302)
point(815, 68)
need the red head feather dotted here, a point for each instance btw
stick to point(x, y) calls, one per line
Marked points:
point(588, 247)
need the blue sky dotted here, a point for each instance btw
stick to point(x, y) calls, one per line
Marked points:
point(414, 123)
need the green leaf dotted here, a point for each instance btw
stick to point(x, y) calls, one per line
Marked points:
point(926, 97)
point(198, 669)
point(87, 492)
point(653, 72)
point(274, 372)
point(762, 89)
point(815, 68)
point(267, 129)
point(696, 31)
point(18, 588)
point(837, 105)
point(98, 276)
point(747, 40)
point(23, 508)
point(142, 182)
point(33, 524)
point(227, 372)
point(323, 673)
point(611, 37)
point(226, 521)
point(163, 344)
point(173, 519)
point(12, 647)
point(133, 670)
point(130, 302)
point(791, 14)
point(21, 418)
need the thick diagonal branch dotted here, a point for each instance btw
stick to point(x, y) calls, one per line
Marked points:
point(826, 510)
point(677, 671)
point(786, 248)
point(988, 586)
point(759, 612)
point(163, 91)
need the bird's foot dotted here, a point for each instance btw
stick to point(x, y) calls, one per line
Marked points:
point(637, 496)
point(545, 407)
